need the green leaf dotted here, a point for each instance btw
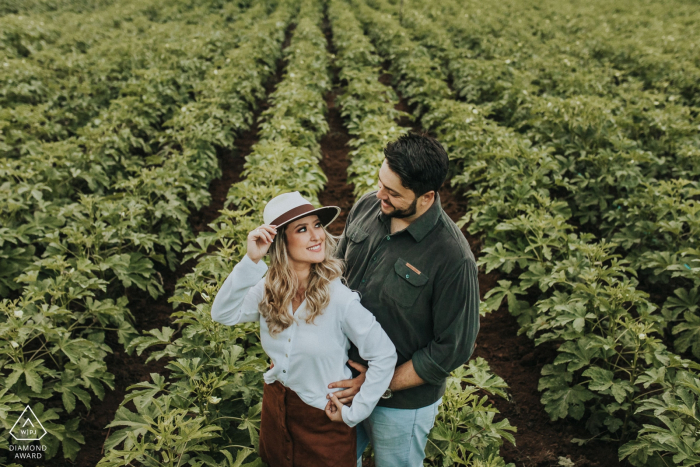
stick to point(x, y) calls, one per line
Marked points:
point(600, 379)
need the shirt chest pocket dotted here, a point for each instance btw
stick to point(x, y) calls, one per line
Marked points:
point(356, 244)
point(405, 284)
point(356, 234)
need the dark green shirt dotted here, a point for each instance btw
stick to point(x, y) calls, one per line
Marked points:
point(421, 285)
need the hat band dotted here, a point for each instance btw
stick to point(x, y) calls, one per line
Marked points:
point(292, 213)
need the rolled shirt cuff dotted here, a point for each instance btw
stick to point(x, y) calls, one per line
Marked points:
point(428, 370)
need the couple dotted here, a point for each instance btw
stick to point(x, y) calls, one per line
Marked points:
point(407, 317)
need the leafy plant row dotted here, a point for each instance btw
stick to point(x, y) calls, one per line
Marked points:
point(367, 105)
point(43, 6)
point(130, 134)
point(567, 49)
point(58, 72)
point(464, 429)
point(612, 366)
point(53, 339)
point(207, 412)
point(627, 168)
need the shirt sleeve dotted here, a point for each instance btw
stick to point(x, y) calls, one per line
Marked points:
point(342, 244)
point(238, 299)
point(455, 325)
point(342, 240)
point(374, 345)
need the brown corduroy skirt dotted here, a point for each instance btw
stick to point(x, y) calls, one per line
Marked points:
point(294, 434)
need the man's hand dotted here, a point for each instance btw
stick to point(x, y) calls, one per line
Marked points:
point(352, 385)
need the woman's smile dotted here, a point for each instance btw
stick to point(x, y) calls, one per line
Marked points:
point(306, 240)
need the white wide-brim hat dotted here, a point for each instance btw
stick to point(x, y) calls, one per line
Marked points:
point(285, 208)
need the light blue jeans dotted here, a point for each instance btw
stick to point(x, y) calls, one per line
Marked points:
point(398, 436)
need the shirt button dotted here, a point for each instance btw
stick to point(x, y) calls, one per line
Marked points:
point(286, 355)
point(374, 259)
point(364, 280)
point(289, 340)
point(388, 237)
point(284, 371)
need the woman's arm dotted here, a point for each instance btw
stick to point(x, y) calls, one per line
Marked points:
point(238, 299)
point(374, 345)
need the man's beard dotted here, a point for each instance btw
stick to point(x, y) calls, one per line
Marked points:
point(403, 213)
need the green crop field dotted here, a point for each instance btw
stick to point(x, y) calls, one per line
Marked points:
point(140, 141)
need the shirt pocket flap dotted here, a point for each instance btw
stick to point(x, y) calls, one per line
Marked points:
point(356, 234)
point(408, 274)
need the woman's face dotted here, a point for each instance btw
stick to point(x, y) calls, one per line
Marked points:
point(306, 240)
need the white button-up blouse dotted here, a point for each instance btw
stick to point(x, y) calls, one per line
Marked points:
point(308, 357)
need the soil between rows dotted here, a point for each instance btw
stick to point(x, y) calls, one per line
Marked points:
point(334, 164)
point(335, 150)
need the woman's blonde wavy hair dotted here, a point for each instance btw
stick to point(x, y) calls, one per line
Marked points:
point(281, 283)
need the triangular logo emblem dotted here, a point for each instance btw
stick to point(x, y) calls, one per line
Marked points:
point(28, 427)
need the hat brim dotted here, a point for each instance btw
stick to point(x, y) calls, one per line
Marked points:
point(327, 214)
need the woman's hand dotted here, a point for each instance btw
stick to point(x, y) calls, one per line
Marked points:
point(259, 241)
point(334, 408)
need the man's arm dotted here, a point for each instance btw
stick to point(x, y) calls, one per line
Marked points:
point(342, 240)
point(405, 377)
point(455, 310)
point(455, 325)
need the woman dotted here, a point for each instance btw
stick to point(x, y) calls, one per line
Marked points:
point(307, 319)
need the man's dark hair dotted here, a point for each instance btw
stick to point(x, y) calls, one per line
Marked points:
point(420, 162)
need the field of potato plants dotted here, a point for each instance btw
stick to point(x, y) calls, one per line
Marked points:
point(140, 141)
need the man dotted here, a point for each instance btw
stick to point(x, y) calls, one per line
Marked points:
point(416, 273)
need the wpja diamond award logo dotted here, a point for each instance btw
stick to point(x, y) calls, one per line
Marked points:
point(27, 428)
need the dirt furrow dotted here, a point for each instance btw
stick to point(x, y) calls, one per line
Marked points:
point(335, 151)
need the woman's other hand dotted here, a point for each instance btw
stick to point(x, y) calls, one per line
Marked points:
point(259, 241)
point(334, 408)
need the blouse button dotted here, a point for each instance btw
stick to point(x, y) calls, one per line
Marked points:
point(289, 340)
point(284, 371)
point(286, 355)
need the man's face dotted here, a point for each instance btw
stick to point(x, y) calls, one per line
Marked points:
point(396, 200)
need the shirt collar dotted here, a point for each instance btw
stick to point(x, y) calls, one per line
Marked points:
point(421, 226)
